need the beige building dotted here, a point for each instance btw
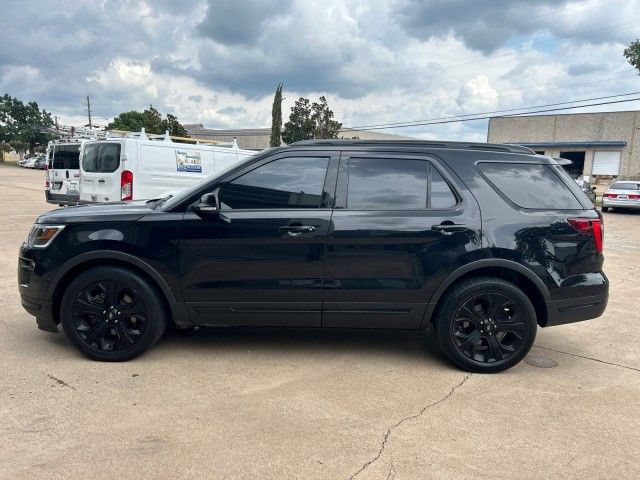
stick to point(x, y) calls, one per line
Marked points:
point(258, 138)
point(604, 146)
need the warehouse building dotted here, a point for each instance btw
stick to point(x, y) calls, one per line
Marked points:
point(258, 138)
point(603, 146)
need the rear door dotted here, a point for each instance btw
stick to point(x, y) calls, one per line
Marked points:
point(66, 169)
point(400, 225)
point(101, 172)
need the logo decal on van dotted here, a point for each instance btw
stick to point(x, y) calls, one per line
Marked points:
point(188, 161)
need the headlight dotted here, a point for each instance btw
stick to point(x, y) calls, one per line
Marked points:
point(41, 236)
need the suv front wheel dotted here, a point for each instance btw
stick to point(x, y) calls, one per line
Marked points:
point(485, 324)
point(112, 314)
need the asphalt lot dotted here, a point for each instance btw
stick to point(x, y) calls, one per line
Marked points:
point(284, 403)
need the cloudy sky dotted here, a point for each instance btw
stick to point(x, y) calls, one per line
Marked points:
point(377, 61)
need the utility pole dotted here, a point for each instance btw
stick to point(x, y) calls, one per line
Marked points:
point(89, 111)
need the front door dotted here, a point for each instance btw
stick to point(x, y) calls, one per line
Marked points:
point(262, 261)
point(401, 223)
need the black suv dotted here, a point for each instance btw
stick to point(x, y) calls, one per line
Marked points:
point(481, 243)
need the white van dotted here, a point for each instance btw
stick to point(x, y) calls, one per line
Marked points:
point(142, 168)
point(63, 171)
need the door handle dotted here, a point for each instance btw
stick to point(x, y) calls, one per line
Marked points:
point(449, 228)
point(102, 180)
point(297, 230)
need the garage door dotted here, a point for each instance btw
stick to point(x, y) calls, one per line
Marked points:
point(606, 163)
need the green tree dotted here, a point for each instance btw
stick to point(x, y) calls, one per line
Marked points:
point(632, 54)
point(276, 118)
point(23, 126)
point(309, 121)
point(150, 120)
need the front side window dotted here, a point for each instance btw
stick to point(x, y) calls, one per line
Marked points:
point(101, 157)
point(294, 182)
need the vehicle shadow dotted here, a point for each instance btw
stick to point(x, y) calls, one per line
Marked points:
point(409, 344)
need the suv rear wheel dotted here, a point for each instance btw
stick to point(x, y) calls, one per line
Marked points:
point(112, 314)
point(485, 324)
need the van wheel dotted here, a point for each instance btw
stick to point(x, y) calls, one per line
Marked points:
point(485, 324)
point(112, 314)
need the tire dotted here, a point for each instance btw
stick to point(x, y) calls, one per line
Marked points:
point(605, 209)
point(485, 324)
point(112, 314)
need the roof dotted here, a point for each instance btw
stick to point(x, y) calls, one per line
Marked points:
point(421, 143)
point(576, 144)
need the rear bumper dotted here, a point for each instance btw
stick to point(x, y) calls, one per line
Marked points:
point(589, 304)
point(61, 198)
point(620, 203)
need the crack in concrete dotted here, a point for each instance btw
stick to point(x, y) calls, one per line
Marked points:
point(385, 438)
point(61, 382)
point(589, 358)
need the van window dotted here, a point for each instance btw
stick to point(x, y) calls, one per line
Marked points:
point(66, 157)
point(441, 194)
point(101, 157)
point(530, 185)
point(295, 182)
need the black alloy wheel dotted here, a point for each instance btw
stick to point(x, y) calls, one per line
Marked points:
point(486, 324)
point(112, 314)
point(109, 315)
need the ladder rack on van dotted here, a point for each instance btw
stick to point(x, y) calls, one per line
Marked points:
point(168, 138)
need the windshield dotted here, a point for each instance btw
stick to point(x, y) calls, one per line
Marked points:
point(625, 186)
point(184, 194)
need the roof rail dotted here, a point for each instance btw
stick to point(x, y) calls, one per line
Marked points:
point(496, 147)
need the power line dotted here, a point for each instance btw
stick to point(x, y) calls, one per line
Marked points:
point(487, 115)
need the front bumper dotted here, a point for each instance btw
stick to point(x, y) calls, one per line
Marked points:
point(32, 289)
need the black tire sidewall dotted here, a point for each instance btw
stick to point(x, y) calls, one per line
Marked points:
point(156, 320)
point(462, 293)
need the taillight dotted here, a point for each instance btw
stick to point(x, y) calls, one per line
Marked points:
point(46, 176)
point(126, 185)
point(610, 195)
point(634, 197)
point(590, 227)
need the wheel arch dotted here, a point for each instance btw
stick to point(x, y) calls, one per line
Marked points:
point(507, 270)
point(83, 262)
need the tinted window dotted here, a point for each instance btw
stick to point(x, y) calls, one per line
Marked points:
point(285, 183)
point(101, 157)
point(441, 194)
point(530, 186)
point(67, 157)
point(625, 186)
point(386, 184)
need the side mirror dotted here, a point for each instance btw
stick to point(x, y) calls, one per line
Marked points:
point(207, 207)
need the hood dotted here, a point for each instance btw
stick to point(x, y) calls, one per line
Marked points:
point(98, 212)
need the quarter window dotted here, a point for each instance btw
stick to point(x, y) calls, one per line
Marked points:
point(530, 185)
point(295, 182)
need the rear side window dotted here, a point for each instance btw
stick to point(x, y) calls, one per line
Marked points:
point(396, 184)
point(66, 157)
point(530, 185)
point(101, 157)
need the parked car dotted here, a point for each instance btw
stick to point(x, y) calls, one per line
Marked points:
point(623, 195)
point(22, 162)
point(31, 161)
point(140, 168)
point(588, 189)
point(481, 243)
point(40, 163)
point(63, 174)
